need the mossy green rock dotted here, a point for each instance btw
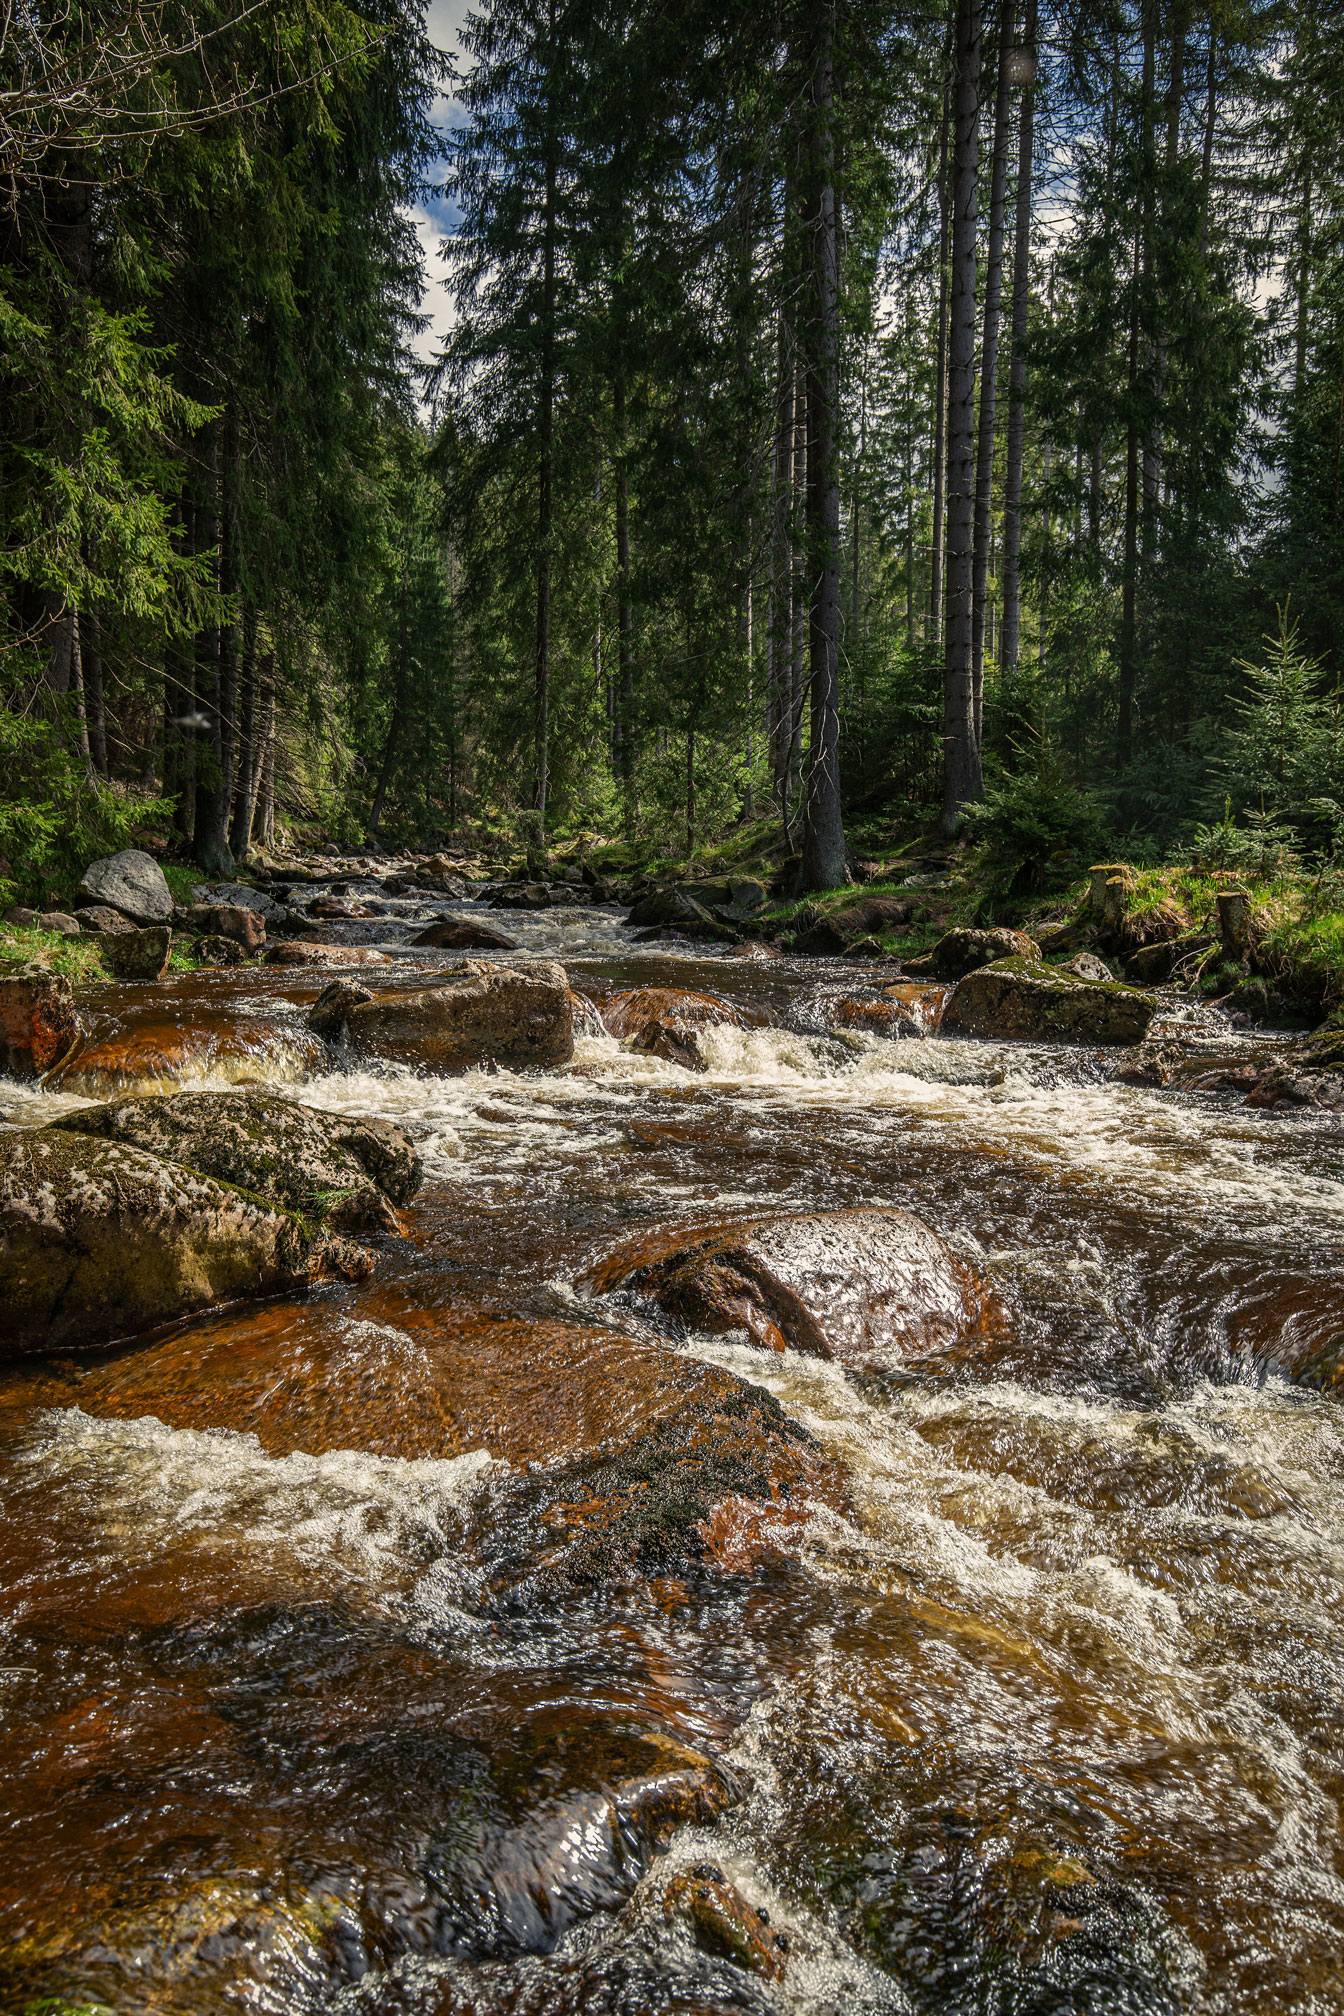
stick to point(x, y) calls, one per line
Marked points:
point(99, 1240)
point(1026, 998)
point(332, 1167)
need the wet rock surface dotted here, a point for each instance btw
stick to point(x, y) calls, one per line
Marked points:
point(960, 952)
point(100, 1240)
point(132, 883)
point(666, 1022)
point(870, 1288)
point(246, 926)
point(39, 1024)
point(1025, 998)
point(332, 1168)
point(464, 934)
point(518, 1015)
point(292, 952)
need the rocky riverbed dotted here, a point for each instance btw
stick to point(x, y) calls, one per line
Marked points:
point(740, 1490)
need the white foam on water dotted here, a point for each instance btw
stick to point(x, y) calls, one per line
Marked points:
point(361, 1519)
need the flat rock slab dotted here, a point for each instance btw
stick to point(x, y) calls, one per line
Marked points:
point(1027, 999)
point(291, 952)
point(131, 882)
point(99, 1240)
point(871, 1288)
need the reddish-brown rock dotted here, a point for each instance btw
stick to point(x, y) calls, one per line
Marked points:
point(872, 1288)
point(229, 920)
point(516, 1015)
point(39, 1024)
point(665, 1022)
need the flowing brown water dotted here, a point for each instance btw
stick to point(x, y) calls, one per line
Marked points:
point(1041, 1711)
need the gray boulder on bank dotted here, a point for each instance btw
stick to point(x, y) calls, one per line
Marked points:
point(138, 955)
point(333, 1168)
point(1025, 998)
point(100, 1240)
point(963, 951)
point(131, 882)
point(517, 1015)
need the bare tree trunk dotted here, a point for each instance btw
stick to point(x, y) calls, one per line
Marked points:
point(940, 393)
point(1210, 125)
point(208, 837)
point(1017, 372)
point(989, 355)
point(625, 622)
point(823, 828)
point(77, 688)
point(1134, 443)
point(690, 790)
point(263, 762)
point(962, 779)
point(240, 831)
point(799, 596)
point(546, 433)
point(780, 625)
point(394, 727)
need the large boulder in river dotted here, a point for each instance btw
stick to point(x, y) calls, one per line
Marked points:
point(1028, 999)
point(99, 1240)
point(38, 1021)
point(294, 952)
point(464, 934)
point(97, 917)
point(516, 1015)
point(131, 882)
point(872, 1288)
point(332, 1167)
point(666, 1022)
point(960, 952)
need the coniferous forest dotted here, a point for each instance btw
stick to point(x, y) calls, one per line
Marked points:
point(845, 413)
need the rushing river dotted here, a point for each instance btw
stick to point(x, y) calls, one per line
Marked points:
point(1043, 1714)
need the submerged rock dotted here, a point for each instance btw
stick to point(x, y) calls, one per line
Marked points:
point(724, 1923)
point(333, 1168)
point(138, 955)
point(464, 934)
point(131, 882)
point(39, 1024)
point(872, 1288)
point(100, 1240)
point(666, 1021)
point(1023, 997)
point(517, 1015)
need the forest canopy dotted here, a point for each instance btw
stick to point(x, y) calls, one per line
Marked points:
point(930, 413)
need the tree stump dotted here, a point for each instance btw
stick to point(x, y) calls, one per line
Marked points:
point(1234, 922)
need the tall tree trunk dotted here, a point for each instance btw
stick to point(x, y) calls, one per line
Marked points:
point(963, 783)
point(823, 865)
point(1303, 281)
point(779, 643)
point(1136, 472)
point(240, 830)
point(208, 834)
point(690, 790)
point(989, 354)
point(799, 593)
point(91, 644)
point(625, 622)
point(77, 688)
point(546, 440)
point(940, 389)
point(1210, 125)
point(398, 720)
point(263, 758)
point(1010, 649)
